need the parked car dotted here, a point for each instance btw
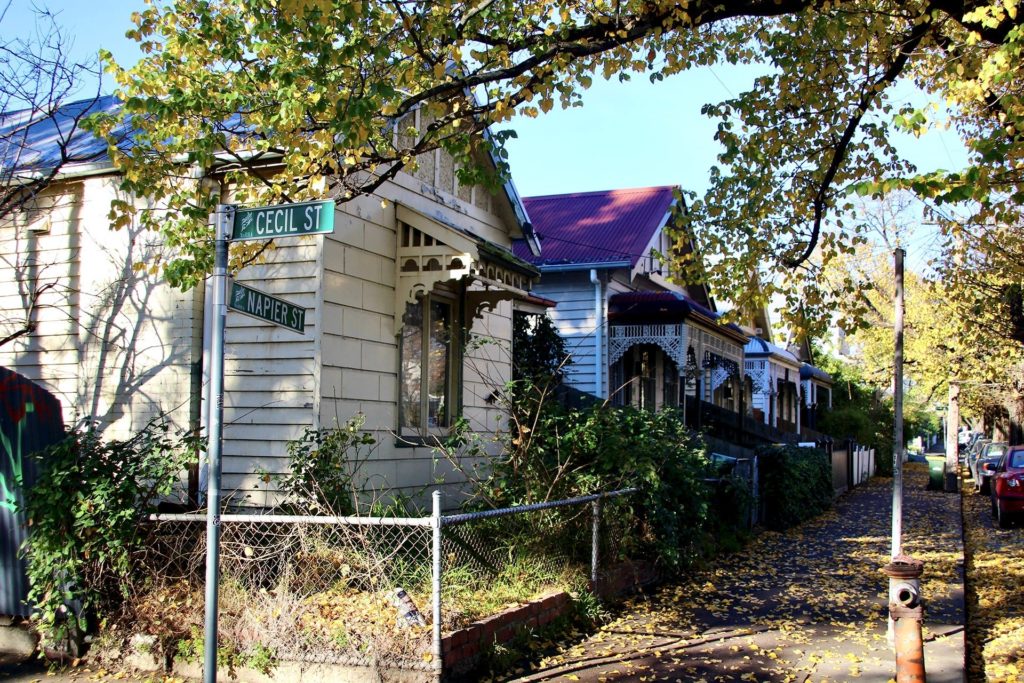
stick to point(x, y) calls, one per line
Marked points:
point(965, 446)
point(972, 457)
point(985, 465)
point(1008, 486)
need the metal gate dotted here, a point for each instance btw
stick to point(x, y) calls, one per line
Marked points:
point(30, 420)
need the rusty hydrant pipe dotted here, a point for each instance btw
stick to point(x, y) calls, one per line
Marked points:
point(906, 609)
point(909, 646)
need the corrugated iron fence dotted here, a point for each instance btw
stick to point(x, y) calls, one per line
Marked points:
point(30, 420)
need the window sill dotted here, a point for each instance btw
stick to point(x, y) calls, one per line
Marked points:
point(419, 440)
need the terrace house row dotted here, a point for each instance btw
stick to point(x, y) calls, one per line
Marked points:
point(639, 338)
point(409, 313)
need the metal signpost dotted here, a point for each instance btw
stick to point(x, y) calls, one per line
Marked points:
point(222, 225)
point(230, 223)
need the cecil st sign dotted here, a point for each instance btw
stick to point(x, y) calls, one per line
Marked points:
point(283, 220)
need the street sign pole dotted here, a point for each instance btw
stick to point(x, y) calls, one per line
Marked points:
point(222, 219)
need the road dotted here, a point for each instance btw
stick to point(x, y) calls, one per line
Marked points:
point(995, 562)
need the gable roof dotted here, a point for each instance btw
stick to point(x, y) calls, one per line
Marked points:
point(604, 228)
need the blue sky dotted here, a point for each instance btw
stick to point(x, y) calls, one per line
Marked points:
point(627, 134)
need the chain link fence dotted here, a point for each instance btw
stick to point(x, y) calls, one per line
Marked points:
point(325, 589)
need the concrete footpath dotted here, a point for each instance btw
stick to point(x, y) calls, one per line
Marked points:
point(806, 605)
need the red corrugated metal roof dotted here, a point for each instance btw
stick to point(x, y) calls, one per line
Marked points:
point(596, 227)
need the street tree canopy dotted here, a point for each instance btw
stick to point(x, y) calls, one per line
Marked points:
point(337, 96)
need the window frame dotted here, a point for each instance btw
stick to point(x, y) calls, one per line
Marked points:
point(425, 434)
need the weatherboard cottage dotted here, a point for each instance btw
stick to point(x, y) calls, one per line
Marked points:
point(406, 319)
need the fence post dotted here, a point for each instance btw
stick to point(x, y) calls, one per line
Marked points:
point(851, 445)
point(595, 540)
point(755, 490)
point(435, 592)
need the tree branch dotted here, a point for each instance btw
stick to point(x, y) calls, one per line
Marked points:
point(913, 39)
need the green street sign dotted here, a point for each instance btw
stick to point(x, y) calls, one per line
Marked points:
point(265, 307)
point(283, 220)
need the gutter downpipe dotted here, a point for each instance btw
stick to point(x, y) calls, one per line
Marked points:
point(598, 333)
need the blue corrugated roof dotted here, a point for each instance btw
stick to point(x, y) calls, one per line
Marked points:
point(758, 347)
point(807, 371)
point(33, 141)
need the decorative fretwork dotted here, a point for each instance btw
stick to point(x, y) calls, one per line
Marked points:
point(424, 261)
point(670, 338)
point(430, 253)
point(760, 375)
point(718, 345)
point(721, 369)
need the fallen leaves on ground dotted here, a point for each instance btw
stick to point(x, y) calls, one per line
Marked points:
point(807, 604)
point(995, 594)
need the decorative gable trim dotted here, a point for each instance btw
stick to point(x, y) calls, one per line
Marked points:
point(430, 252)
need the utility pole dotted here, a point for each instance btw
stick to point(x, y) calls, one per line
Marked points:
point(952, 437)
point(906, 607)
point(897, 406)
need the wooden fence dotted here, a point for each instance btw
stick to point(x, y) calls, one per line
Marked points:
point(852, 465)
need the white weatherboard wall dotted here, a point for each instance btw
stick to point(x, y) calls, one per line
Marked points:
point(269, 371)
point(111, 342)
point(122, 345)
point(278, 383)
point(574, 318)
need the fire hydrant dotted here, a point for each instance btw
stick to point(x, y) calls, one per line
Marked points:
point(906, 609)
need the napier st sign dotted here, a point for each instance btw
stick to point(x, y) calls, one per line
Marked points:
point(267, 308)
point(283, 220)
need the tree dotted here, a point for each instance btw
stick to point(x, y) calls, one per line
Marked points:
point(955, 329)
point(40, 136)
point(337, 97)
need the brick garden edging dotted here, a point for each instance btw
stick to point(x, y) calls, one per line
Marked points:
point(461, 649)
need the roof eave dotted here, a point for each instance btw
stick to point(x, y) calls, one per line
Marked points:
point(591, 265)
point(518, 208)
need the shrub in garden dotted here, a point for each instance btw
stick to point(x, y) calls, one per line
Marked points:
point(796, 484)
point(85, 513)
point(323, 464)
point(551, 452)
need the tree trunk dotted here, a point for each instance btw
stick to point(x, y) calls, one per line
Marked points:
point(1015, 410)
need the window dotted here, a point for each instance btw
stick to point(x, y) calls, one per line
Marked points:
point(635, 378)
point(429, 371)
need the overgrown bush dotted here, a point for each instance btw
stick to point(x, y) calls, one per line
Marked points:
point(322, 468)
point(796, 484)
point(85, 512)
point(550, 452)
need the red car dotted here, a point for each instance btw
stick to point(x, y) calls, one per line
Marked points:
point(1008, 486)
